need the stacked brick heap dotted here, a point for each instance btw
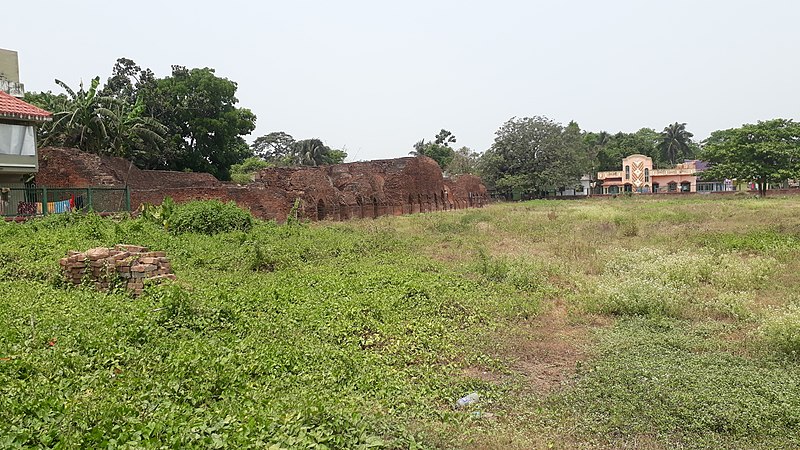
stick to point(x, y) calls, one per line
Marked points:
point(132, 264)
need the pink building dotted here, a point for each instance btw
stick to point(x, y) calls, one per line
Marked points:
point(637, 175)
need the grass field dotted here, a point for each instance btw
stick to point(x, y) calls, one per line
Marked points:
point(614, 323)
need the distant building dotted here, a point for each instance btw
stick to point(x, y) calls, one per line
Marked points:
point(638, 176)
point(9, 74)
point(581, 190)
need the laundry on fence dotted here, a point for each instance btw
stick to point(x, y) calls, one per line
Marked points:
point(36, 208)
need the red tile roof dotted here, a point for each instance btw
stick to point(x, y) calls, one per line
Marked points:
point(14, 108)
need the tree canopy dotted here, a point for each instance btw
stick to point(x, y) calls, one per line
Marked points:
point(206, 129)
point(280, 148)
point(535, 154)
point(465, 161)
point(439, 149)
point(765, 152)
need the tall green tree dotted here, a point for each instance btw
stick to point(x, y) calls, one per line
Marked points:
point(205, 127)
point(276, 147)
point(310, 152)
point(610, 149)
point(535, 154)
point(128, 80)
point(765, 152)
point(465, 161)
point(675, 143)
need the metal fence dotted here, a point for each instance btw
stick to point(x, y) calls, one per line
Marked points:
point(41, 201)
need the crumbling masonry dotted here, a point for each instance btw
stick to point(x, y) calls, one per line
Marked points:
point(337, 192)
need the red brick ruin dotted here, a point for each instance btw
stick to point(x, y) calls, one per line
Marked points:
point(336, 192)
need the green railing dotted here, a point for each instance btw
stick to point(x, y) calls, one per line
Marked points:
point(41, 201)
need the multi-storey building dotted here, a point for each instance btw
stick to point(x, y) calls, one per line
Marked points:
point(638, 175)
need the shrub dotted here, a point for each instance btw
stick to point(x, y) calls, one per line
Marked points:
point(635, 297)
point(209, 217)
point(782, 332)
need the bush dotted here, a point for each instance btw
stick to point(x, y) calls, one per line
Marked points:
point(209, 217)
point(782, 332)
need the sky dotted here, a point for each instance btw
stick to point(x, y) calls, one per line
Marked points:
point(374, 77)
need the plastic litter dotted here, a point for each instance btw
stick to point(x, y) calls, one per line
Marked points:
point(467, 400)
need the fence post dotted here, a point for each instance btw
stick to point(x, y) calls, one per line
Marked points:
point(90, 203)
point(44, 200)
point(127, 199)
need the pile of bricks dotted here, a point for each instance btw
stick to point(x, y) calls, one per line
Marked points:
point(130, 265)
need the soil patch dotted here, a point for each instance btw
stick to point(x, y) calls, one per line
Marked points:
point(548, 350)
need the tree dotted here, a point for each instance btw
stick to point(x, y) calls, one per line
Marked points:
point(205, 128)
point(442, 154)
point(276, 147)
point(96, 123)
point(82, 120)
point(439, 150)
point(611, 149)
point(535, 154)
point(313, 152)
point(136, 136)
point(128, 81)
point(765, 152)
point(465, 161)
point(186, 121)
point(445, 138)
point(675, 142)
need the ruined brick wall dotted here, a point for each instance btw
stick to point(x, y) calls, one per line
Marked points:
point(70, 168)
point(337, 192)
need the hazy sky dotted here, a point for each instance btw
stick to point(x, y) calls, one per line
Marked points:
point(376, 76)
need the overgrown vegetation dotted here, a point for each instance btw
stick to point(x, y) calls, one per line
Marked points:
point(364, 334)
point(209, 217)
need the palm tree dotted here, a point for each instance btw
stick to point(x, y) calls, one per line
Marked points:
point(310, 152)
point(675, 142)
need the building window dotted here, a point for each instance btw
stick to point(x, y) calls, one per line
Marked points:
point(17, 140)
point(655, 187)
point(646, 175)
point(627, 172)
point(672, 187)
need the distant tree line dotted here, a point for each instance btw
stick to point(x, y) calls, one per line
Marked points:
point(538, 156)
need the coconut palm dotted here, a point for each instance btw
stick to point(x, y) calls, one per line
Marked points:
point(310, 152)
point(675, 142)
